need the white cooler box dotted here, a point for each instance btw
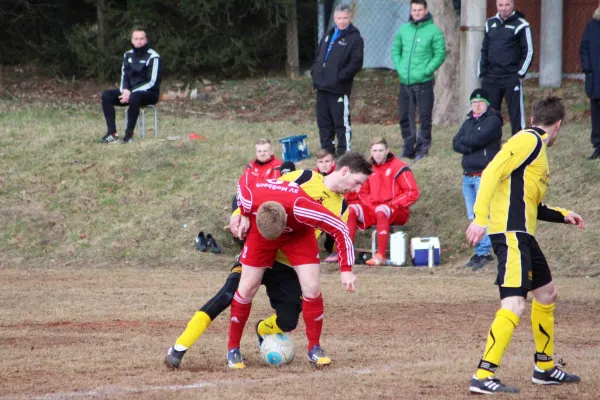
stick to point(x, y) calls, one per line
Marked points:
point(422, 249)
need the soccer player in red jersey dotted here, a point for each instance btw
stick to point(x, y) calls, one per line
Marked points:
point(280, 215)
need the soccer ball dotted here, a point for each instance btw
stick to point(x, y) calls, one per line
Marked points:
point(277, 350)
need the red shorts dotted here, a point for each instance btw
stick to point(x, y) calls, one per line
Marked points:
point(299, 247)
point(366, 215)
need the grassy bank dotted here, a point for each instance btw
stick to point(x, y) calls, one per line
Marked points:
point(66, 199)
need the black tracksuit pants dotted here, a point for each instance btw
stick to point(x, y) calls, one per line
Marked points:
point(333, 120)
point(411, 97)
point(595, 110)
point(110, 99)
point(513, 93)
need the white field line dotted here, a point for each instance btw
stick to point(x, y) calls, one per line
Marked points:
point(115, 391)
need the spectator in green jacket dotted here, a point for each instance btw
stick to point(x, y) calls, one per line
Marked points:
point(419, 49)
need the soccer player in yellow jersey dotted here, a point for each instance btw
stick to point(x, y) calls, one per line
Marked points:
point(281, 281)
point(511, 192)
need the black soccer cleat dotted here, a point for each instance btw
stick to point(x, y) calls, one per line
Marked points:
point(127, 139)
point(212, 243)
point(201, 243)
point(110, 138)
point(174, 357)
point(490, 385)
point(554, 376)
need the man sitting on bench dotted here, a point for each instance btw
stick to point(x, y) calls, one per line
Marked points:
point(384, 199)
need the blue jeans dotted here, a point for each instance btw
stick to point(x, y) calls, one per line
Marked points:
point(470, 186)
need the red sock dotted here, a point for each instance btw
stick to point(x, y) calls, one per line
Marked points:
point(383, 232)
point(352, 218)
point(313, 314)
point(240, 311)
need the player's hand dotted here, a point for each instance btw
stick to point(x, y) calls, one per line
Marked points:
point(475, 233)
point(243, 227)
point(574, 219)
point(124, 97)
point(234, 223)
point(348, 279)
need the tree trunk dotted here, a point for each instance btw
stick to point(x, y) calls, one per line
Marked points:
point(292, 65)
point(445, 109)
point(102, 39)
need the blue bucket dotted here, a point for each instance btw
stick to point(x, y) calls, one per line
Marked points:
point(294, 148)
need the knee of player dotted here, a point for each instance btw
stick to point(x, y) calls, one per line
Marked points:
point(548, 297)
point(311, 290)
point(516, 304)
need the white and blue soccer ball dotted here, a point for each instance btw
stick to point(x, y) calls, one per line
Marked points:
point(277, 350)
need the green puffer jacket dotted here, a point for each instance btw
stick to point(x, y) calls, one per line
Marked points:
point(418, 51)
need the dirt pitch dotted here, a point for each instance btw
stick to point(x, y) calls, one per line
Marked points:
point(405, 334)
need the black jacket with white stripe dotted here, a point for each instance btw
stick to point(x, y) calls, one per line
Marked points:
point(141, 70)
point(507, 49)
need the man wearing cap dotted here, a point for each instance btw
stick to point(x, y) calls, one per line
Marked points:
point(478, 140)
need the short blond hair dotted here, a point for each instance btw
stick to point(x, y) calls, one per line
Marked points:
point(379, 140)
point(323, 153)
point(271, 219)
point(262, 141)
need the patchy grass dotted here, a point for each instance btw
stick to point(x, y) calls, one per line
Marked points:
point(66, 199)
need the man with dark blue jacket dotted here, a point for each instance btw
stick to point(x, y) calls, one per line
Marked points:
point(589, 52)
point(478, 140)
point(506, 54)
point(140, 86)
point(339, 58)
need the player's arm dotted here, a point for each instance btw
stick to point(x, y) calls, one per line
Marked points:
point(313, 214)
point(559, 215)
point(409, 191)
point(514, 153)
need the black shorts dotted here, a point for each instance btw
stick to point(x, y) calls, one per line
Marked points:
point(283, 286)
point(522, 266)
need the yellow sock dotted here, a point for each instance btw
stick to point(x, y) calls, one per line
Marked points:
point(542, 324)
point(498, 339)
point(269, 326)
point(195, 328)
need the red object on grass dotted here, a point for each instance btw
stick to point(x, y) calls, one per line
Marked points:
point(196, 136)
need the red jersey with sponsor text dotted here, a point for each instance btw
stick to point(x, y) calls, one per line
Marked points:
point(304, 214)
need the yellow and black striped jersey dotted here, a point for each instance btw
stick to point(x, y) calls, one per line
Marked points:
point(312, 183)
point(514, 184)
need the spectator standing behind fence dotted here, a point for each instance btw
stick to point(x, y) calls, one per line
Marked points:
point(339, 59)
point(419, 49)
point(589, 52)
point(478, 140)
point(506, 54)
point(140, 86)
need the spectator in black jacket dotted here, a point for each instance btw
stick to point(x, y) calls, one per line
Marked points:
point(339, 58)
point(478, 140)
point(140, 86)
point(506, 54)
point(589, 52)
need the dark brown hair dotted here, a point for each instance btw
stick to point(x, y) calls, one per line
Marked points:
point(548, 111)
point(356, 162)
